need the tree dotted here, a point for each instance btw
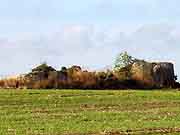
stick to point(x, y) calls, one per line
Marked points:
point(123, 60)
point(43, 67)
point(64, 69)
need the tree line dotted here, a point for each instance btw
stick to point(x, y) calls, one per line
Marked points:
point(46, 77)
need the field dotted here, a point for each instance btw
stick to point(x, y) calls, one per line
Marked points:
point(75, 112)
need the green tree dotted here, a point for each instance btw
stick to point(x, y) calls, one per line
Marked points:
point(123, 60)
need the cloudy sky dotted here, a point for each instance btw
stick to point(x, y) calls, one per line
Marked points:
point(89, 33)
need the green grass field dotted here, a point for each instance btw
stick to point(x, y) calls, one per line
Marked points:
point(74, 112)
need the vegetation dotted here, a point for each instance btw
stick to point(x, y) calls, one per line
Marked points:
point(123, 60)
point(43, 67)
point(128, 73)
point(36, 112)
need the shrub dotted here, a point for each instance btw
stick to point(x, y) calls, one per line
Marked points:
point(2, 83)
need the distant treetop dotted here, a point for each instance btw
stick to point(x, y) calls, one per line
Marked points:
point(123, 60)
point(43, 67)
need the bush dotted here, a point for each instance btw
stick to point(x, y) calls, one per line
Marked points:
point(2, 83)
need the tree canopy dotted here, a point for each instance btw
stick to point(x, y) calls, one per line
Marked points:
point(123, 60)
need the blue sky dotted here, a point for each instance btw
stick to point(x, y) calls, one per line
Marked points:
point(69, 11)
point(86, 32)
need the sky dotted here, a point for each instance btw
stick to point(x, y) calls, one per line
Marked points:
point(89, 33)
